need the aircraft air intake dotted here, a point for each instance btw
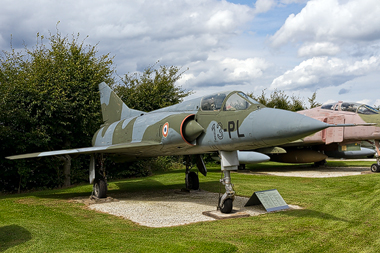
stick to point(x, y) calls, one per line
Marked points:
point(190, 129)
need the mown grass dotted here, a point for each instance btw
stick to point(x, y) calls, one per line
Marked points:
point(339, 215)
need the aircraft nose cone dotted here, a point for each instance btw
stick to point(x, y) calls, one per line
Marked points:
point(275, 126)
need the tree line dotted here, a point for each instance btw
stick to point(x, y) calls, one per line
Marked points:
point(50, 101)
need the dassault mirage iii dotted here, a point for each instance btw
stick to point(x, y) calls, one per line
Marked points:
point(223, 122)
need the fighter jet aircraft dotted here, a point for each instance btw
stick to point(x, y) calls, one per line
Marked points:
point(223, 122)
point(335, 142)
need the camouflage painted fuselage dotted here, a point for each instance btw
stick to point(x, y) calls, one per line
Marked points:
point(224, 121)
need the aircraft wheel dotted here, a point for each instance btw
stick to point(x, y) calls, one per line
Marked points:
point(100, 188)
point(375, 167)
point(192, 181)
point(320, 163)
point(226, 206)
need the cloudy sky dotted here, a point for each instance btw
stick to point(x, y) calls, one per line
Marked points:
point(296, 46)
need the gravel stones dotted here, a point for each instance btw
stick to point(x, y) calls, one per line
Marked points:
point(171, 207)
point(307, 171)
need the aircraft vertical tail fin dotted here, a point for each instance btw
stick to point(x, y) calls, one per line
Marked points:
point(113, 108)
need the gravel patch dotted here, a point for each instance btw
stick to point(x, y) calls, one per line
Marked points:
point(170, 207)
point(312, 172)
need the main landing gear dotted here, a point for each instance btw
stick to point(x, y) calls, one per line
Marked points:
point(192, 179)
point(376, 166)
point(99, 188)
point(99, 181)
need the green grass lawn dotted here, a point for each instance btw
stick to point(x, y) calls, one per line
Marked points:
point(339, 215)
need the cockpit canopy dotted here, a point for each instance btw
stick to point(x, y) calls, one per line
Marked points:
point(351, 107)
point(236, 101)
point(226, 101)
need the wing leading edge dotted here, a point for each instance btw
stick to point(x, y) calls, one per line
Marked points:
point(131, 148)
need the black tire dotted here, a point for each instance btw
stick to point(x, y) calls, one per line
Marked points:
point(375, 167)
point(226, 206)
point(100, 188)
point(192, 182)
point(320, 163)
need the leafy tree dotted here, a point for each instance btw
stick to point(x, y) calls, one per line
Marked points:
point(312, 101)
point(49, 100)
point(152, 89)
point(279, 100)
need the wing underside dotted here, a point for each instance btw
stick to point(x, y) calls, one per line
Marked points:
point(132, 149)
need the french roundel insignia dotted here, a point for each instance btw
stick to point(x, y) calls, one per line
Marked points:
point(165, 129)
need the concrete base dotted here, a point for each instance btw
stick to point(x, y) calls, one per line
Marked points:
point(218, 215)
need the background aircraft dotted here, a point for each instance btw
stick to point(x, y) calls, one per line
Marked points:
point(223, 122)
point(336, 142)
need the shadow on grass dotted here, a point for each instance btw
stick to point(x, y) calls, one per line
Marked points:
point(123, 187)
point(306, 213)
point(144, 185)
point(13, 235)
point(141, 184)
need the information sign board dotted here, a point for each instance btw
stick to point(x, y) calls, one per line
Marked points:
point(270, 199)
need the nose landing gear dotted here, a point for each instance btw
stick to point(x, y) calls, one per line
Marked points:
point(229, 162)
point(225, 202)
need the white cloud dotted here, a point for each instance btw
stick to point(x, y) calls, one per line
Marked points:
point(176, 32)
point(331, 20)
point(262, 6)
point(218, 42)
point(323, 71)
point(223, 72)
point(364, 101)
point(318, 49)
point(329, 101)
point(377, 102)
point(222, 20)
point(292, 1)
point(244, 69)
